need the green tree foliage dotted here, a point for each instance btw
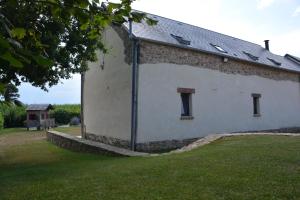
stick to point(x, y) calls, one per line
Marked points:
point(14, 116)
point(43, 41)
point(64, 113)
point(11, 95)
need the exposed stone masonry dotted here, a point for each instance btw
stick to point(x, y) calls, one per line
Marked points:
point(165, 145)
point(81, 145)
point(156, 146)
point(153, 53)
point(108, 140)
point(74, 143)
point(123, 34)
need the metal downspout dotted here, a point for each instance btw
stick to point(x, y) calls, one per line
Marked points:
point(134, 85)
point(82, 105)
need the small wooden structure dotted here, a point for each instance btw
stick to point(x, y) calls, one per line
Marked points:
point(38, 116)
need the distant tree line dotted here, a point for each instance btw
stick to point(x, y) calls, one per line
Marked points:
point(15, 116)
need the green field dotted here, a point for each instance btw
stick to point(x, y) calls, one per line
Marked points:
point(243, 167)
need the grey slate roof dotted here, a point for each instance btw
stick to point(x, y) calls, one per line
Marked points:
point(201, 40)
point(37, 107)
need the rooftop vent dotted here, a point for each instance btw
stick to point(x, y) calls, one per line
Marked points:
point(218, 48)
point(267, 46)
point(252, 57)
point(274, 61)
point(181, 40)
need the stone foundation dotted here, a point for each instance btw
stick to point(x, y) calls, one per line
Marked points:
point(156, 146)
point(163, 146)
point(167, 145)
point(281, 130)
point(108, 140)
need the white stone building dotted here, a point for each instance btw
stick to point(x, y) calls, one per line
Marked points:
point(172, 83)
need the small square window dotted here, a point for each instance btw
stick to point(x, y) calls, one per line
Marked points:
point(186, 102)
point(256, 105)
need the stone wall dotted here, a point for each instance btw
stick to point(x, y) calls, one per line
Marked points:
point(71, 143)
point(153, 53)
point(81, 145)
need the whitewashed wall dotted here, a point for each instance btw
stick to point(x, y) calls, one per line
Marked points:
point(107, 92)
point(222, 102)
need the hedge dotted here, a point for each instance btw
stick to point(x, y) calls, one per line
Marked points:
point(64, 113)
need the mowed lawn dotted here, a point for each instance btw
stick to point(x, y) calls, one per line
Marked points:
point(244, 167)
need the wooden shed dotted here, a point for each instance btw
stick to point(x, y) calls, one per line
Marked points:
point(38, 116)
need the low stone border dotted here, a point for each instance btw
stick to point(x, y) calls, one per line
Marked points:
point(81, 145)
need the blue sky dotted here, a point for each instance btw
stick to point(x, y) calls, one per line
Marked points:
point(251, 20)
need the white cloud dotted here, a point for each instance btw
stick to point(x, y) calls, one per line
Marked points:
point(261, 4)
point(296, 12)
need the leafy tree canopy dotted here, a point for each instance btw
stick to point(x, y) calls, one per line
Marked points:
point(43, 41)
point(10, 95)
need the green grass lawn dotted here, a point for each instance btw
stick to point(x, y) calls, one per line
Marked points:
point(244, 167)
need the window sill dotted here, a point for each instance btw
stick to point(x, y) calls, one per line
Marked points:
point(257, 115)
point(186, 117)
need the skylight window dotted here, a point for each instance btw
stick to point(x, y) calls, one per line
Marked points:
point(274, 61)
point(255, 58)
point(218, 48)
point(293, 58)
point(181, 40)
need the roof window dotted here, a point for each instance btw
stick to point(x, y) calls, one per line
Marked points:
point(181, 40)
point(293, 58)
point(274, 61)
point(255, 58)
point(218, 48)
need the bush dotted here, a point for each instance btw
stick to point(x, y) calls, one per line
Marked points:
point(1, 121)
point(75, 121)
point(14, 116)
point(64, 113)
